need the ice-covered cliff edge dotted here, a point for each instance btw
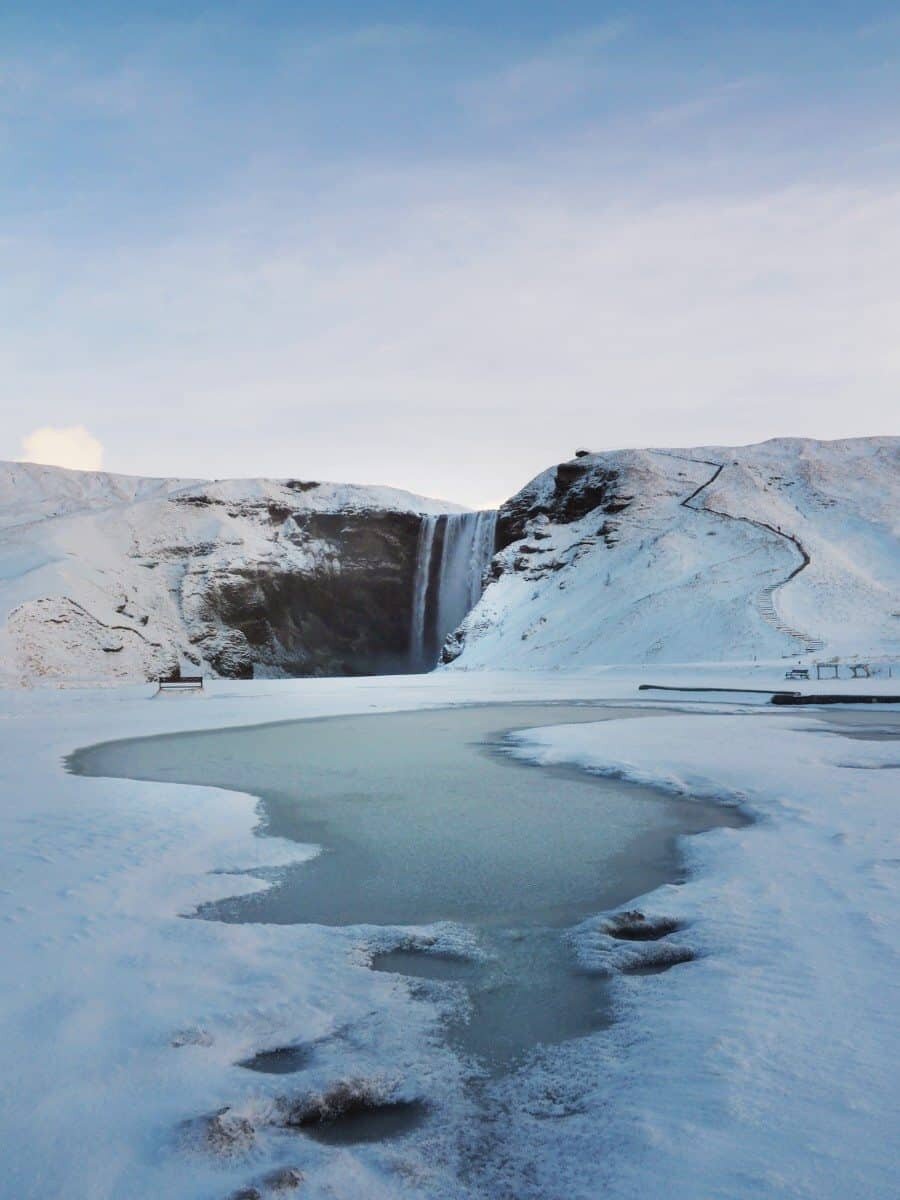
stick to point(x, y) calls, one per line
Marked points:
point(787, 548)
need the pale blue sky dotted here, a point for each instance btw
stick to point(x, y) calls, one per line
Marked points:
point(439, 245)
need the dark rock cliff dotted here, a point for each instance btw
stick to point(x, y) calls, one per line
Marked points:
point(330, 595)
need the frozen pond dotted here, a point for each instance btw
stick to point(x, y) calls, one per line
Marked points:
point(421, 818)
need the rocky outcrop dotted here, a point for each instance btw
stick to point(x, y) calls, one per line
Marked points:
point(562, 495)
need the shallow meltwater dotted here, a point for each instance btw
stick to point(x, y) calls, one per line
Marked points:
point(422, 818)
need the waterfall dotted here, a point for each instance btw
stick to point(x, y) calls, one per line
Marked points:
point(418, 650)
point(445, 593)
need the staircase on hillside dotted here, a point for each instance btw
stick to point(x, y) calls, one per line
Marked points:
point(765, 605)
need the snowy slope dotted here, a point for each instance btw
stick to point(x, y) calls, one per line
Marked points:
point(789, 548)
point(111, 577)
point(31, 492)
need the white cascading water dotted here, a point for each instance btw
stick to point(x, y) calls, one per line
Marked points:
point(442, 598)
point(418, 629)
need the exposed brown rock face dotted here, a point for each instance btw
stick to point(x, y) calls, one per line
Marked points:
point(336, 600)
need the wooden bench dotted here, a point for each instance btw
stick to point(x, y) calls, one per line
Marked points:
point(184, 683)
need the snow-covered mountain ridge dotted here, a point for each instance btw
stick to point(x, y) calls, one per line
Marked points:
point(784, 549)
point(789, 548)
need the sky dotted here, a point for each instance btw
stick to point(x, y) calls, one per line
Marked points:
point(441, 246)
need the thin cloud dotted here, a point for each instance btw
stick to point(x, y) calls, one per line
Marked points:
point(700, 106)
point(377, 37)
point(544, 82)
point(885, 27)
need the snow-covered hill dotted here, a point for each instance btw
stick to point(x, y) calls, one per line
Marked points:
point(110, 577)
point(788, 548)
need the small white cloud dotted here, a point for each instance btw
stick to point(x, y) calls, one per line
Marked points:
point(71, 447)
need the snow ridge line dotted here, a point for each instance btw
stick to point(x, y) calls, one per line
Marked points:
point(765, 601)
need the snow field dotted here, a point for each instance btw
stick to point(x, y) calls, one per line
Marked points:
point(762, 1068)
